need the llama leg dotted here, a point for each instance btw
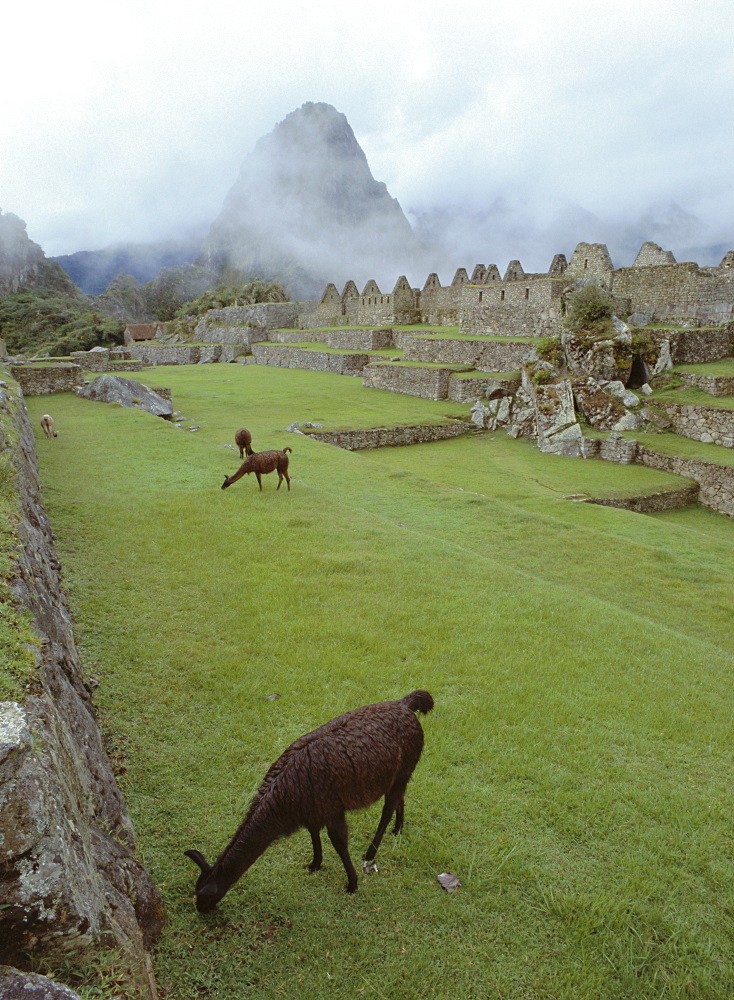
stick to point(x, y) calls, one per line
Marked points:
point(287, 479)
point(399, 816)
point(317, 852)
point(339, 837)
point(259, 481)
point(280, 479)
point(393, 800)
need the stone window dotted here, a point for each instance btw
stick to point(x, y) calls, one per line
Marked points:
point(480, 296)
point(527, 293)
point(502, 295)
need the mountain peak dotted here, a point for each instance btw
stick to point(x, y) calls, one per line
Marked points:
point(304, 203)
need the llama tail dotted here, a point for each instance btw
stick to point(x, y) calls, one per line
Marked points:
point(419, 701)
point(287, 449)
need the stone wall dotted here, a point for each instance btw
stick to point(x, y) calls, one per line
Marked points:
point(41, 380)
point(715, 482)
point(678, 292)
point(170, 354)
point(485, 355)
point(412, 380)
point(529, 308)
point(318, 361)
point(466, 388)
point(714, 385)
point(709, 424)
point(92, 361)
point(360, 340)
point(391, 437)
point(293, 336)
point(651, 503)
point(218, 333)
point(270, 315)
point(697, 347)
point(68, 877)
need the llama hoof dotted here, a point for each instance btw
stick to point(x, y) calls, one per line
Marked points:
point(313, 868)
point(369, 867)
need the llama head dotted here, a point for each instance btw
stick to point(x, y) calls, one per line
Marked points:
point(226, 483)
point(206, 889)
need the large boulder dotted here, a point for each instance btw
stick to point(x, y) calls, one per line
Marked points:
point(126, 392)
point(16, 985)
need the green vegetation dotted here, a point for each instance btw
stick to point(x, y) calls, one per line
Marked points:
point(723, 367)
point(590, 311)
point(233, 293)
point(39, 320)
point(550, 349)
point(577, 770)
point(674, 444)
point(693, 397)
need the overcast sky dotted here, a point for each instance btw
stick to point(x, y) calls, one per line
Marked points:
point(130, 121)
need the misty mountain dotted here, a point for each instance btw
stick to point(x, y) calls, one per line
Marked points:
point(306, 210)
point(23, 264)
point(93, 270)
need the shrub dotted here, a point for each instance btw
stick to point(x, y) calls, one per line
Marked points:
point(590, 311)
point(550, 349)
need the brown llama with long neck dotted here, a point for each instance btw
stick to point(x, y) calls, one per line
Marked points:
point(243, 440)
point(346, 764)
point(261, 463)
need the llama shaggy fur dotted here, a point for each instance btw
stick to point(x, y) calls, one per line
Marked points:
point(243, 440)
point(261, 463)
point(346, 764)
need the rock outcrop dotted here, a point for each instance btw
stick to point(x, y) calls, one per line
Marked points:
point(68, 876)
point(23, 264)
point(109, 388)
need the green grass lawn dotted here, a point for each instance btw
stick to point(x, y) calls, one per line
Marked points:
point(723, 367)
point(693, 397)
point(577, 769)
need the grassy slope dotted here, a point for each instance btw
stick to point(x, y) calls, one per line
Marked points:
point(577, 772)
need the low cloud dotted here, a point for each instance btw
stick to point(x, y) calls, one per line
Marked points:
point(132, 125)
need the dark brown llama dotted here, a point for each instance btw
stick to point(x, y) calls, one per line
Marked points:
point(261, 463)
point(243, 440)
point(349, 763)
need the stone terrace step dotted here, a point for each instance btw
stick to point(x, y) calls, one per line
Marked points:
point(465, 388)
point(499, 355)
point(287, 356)
point(427, 380)
point(714, 385)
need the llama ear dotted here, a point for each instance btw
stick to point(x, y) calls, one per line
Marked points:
point(198, 858)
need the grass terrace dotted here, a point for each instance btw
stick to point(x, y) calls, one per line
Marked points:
point(577, 769)
point(455, 335)
point(723, 367)
point(323, 348)
point(674, 444)
point(693, 397)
